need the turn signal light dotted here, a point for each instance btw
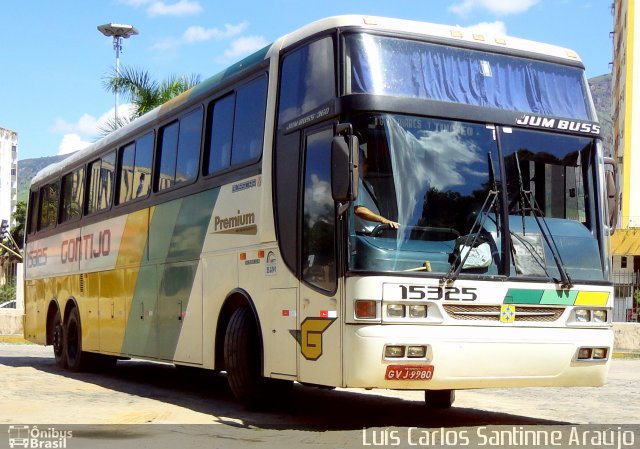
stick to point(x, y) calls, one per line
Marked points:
point(365, 309)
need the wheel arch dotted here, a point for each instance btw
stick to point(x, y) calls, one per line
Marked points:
point(65, 310)
point(236, 299)
point(53, 308)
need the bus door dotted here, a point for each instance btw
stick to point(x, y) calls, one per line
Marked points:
point(319, 307)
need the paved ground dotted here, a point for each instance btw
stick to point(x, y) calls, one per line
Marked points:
point(34, 392)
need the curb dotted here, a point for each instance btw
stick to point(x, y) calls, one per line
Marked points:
point(16, 339)
point(626, 355)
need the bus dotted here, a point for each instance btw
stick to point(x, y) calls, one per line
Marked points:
point(226, 230)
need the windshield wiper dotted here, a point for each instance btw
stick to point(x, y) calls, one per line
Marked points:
point(528, 202)
point(470, 240)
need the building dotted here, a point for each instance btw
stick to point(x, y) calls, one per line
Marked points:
point(625, 243)
point(8, 173)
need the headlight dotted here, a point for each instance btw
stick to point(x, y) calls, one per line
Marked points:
point(582, 315)
point(417, 311)
point(599, 316)
point(395, 311)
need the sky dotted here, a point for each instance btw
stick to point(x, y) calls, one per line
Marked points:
point(53, 60)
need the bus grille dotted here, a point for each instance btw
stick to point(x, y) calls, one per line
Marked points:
point(492, 313)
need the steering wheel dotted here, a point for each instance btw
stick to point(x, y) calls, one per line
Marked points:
point(375, 232)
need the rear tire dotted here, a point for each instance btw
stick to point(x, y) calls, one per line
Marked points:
point(439, 399)
point(242, 360)
point(57, 333)
point(76, 359)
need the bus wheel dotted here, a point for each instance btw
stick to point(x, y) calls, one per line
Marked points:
point(439, 399)
point(73, 342)
point(242, 362)
point(58, 340)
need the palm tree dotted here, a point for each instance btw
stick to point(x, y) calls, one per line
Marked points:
point(143, 92)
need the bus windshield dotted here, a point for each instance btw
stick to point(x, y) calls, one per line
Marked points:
point(442, 181)
point(400, 67)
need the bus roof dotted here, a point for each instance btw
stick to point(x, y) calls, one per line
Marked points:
point(452, 35)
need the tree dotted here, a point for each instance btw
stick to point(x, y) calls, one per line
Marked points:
point(20, 218)
point(143, 92)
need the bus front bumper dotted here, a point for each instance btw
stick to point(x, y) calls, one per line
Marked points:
point(460, 357)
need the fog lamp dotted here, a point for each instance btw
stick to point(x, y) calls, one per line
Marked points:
point(584, 354)
point(394, 351)
point(600, 353)
point(418, 352)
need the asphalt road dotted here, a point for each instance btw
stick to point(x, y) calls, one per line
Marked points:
point(187, 409)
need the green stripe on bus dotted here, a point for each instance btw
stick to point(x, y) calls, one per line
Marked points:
point(559, 297)
point(176, 237)
point(523, 296)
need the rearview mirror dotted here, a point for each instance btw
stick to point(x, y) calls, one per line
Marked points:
point(611, 192)
point(344, 165)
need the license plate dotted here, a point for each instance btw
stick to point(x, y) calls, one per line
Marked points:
point(409, 372)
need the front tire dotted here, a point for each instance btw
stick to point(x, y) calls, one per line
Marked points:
point(243, 363)
point(439, 399)
point(76, 359)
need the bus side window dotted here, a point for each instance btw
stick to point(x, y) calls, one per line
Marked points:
point(220, 131)
point(180, 150)
point(72, 195)
point(48, 206)
point(307, 80)
point(101, 177)
point(236, 127)
point(32, 223)
point(127, 164)
point(143, 163)
point(189, 146)
point(248, 123)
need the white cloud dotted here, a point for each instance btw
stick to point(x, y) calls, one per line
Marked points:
point(200, 34)
point(86, 130)
point(195, 34)
point(161, 8)
point(181, 8)
point(71, 143)
point(244, 46)
point(497, 28)
point(498, 7)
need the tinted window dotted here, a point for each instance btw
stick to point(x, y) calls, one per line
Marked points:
point(72, 195)
point(101, 177)
point(236, 129)
point(48, 205)
point(318, 228)
point(168, 153)
point(142, 172)
point(33, 212)
point(221, 131)
point(251, 101)
point(135, 169)
point(189, 146)
point(127, 165)
point(180, 150)
point(308, 79)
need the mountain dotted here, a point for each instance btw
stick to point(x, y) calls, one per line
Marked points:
point(27, 169)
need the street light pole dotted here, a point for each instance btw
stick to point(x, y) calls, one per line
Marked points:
point(118, 31)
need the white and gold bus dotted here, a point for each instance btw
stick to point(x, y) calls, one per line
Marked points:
point(225, 229)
